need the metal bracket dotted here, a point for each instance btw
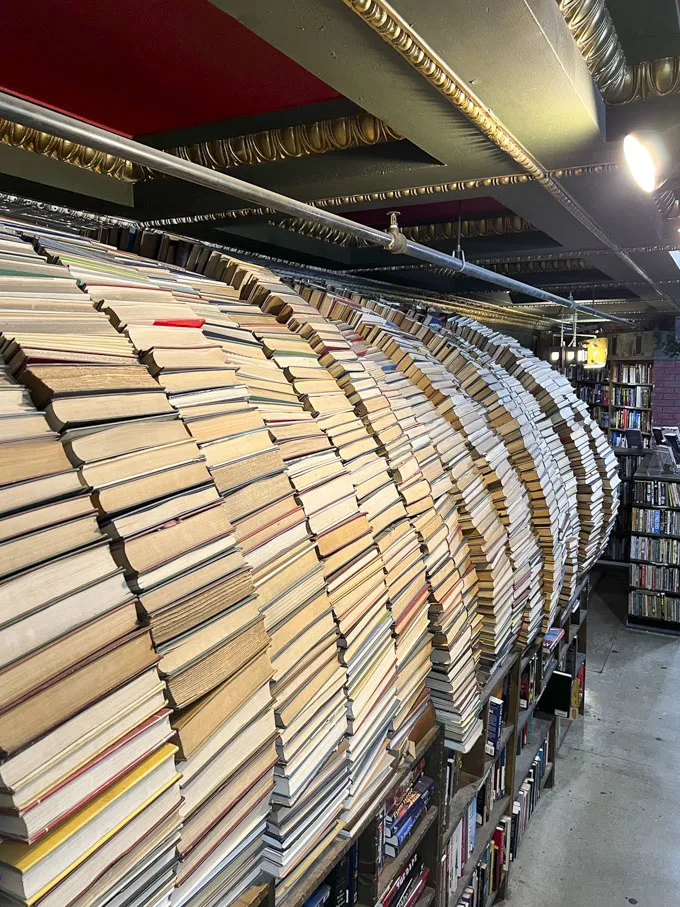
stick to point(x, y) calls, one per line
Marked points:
point(398, 242)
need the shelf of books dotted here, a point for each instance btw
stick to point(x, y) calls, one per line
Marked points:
point(292, 587)
point(618, 547)
point(654, 598)
point(618, 396)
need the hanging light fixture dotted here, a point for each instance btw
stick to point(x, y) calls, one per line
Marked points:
point(652, 157)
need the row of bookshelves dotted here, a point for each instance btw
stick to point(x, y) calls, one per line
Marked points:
point(654, 597)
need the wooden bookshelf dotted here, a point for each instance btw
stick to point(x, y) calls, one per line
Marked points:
point(654, 596)
point(616, 404)
point(434, 829)
point(617, 552)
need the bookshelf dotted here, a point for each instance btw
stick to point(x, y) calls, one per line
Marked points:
point(654, 597)
point(617, 552)
point(619, 396)
point(529, 744)
point(593, 387)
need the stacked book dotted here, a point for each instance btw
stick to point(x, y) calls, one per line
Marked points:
point(89, 790)
point(309, 703)
point(277, 526)
point(484, 532)
point(352, 561)
point(174, 540)
point(591, 459)
point(385, 508)
point(495, 471)
point(452, 578)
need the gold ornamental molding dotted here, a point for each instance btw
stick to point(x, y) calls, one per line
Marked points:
point(339, 134)
point(392, 195)
point(478, 227)
point(396, 32)
point(70, 152)
point(620, 82)
point(304, 140)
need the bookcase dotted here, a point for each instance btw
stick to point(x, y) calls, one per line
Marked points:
point(530, 734)
point(617, 551)
point(592, 386)
point(619, 396)
point(654, 597)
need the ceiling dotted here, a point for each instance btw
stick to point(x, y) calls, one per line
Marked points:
point(489, 126)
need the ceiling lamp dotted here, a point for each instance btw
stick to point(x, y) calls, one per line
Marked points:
point(652, 156)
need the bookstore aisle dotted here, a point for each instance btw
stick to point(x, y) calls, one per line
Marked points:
point(605, 834)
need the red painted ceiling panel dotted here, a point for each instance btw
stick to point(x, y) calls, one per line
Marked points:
point(139, 66)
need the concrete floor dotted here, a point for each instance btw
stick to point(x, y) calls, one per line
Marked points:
point(609, 832)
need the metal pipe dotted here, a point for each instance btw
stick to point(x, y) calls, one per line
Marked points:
point(50, 121)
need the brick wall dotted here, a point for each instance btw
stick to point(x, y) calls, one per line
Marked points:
point(666, 396)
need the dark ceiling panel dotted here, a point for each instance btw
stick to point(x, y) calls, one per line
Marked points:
point(427, 214)
point(647, 30)
point(139, 67)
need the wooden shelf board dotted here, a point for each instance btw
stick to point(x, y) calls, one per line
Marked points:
point(654, 506)
point(637, 560)
point(653, 625)
point(466, 794)
point(548, 772)
point(483, 837)
point(654, 535)
point(656, 591)
point(394, 866)
point(426, 898)
point(528, 754)
point(497, 675)
point(641, 409)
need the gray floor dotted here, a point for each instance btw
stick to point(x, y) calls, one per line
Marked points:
point(609, 832)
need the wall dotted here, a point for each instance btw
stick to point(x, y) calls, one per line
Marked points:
point(666, 397)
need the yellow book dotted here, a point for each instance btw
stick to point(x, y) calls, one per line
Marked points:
point(23, 866)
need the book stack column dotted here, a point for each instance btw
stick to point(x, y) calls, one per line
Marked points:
point(524, 444)
point(506, 493)
point(493, 562)
point(257, 465)
point(654, 598)
point(89, 786)
point(196, 389)
point(182, 539)
point(553, 458)
point(589, 457)
point(449, 570)
point(355, 576)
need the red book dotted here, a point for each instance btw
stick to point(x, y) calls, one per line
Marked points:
point(179, 322)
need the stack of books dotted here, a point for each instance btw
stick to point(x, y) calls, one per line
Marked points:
point(385, 508)
point(89, 790)
point(586, 447)
point(495, 471)
point(174, 540)
point(451, 576)
point(353, 565)
point(274, 526)
point(555, 397)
